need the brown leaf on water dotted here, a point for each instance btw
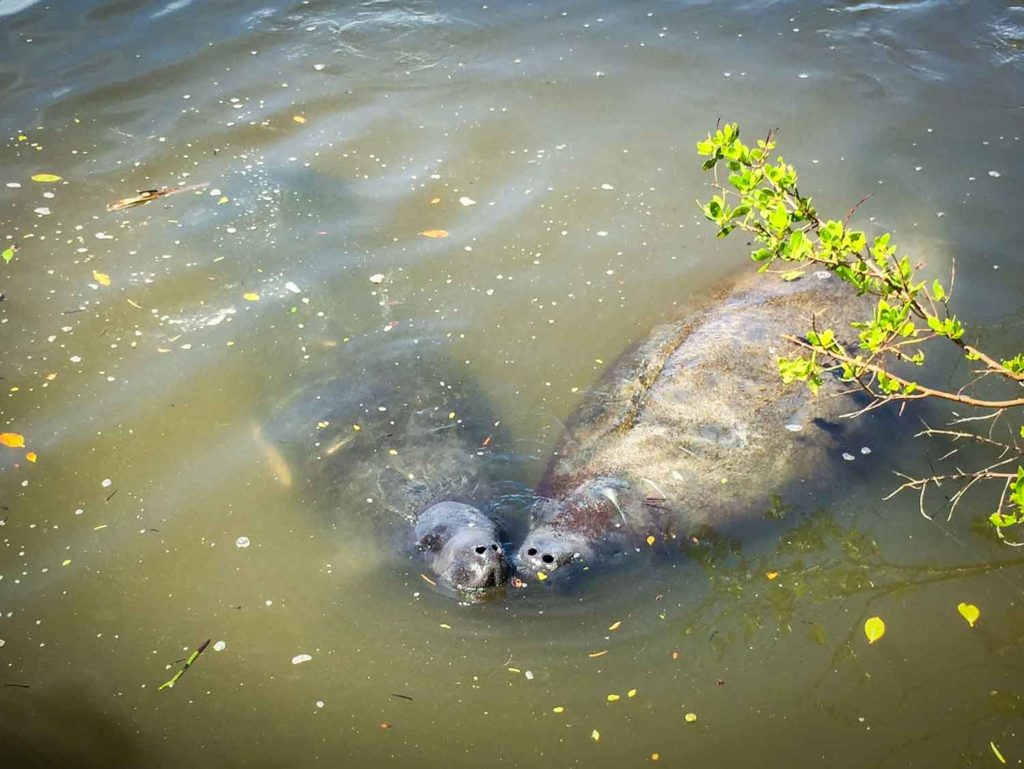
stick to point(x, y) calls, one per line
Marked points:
point(147, 196)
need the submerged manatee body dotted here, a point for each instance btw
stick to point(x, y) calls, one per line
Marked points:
point(394, 441)
point(694, 428)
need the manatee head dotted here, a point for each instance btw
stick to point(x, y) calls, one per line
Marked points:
point(462, 547)
point(553, 552)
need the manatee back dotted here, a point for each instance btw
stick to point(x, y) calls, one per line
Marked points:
point(697, 414)
point(394, 430)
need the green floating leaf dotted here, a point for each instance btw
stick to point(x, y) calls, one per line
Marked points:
point(8, 254)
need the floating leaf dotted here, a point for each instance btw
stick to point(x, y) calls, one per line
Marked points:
point(614, 698)
point(541, 576)
point(651, 539)
point(31, 457)
point(690, 718)
point(435, 233)
point(46, 178)
point(771, 574)
point(595, 655)
point(874, 629)
point(615, 625)
point(969, 612)
point(101, 277)
point(996, 751)
point(595, 735)
point(631, 693)
point(558, 709)
point(298, 118)
point(12, 440)
point(252, 296)
point(8, 254)
point(655, 756)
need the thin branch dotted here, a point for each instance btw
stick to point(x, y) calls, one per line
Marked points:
point(920, 391)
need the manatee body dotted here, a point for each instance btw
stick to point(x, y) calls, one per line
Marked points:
point(694, 428)
point(395, 442)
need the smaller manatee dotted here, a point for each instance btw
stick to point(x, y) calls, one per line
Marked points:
point(462, 547)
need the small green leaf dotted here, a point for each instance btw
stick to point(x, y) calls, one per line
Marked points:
point(938, 292)
point(8, 254)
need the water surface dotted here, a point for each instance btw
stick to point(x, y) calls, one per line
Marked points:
point(554, 143)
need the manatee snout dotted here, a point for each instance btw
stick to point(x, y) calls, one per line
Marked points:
point(551, 552)
point(462, 547)
point(471, 560)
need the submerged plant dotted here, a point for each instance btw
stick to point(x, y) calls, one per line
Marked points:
point(760, 197)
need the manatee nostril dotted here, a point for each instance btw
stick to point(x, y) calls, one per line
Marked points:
point(532, 551)
point(548, 558)
point(494, 547)
point(481, 549)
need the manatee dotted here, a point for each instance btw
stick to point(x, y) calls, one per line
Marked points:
point(694, 428)
point(397, 443)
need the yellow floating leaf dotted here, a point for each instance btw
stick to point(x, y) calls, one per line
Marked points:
point(996, 751)
point(434, 233)
point(595, 736)
point(392, 453)
point(631, 693)
point(771, 574)
point(541, 576)
point(446, 626)
point(222, 200)
point(67, 562)
point(514, 670)
point(874, 629)
point(101, 277)
point(558, 709)
point(357, 428)
point(614, 698)
point(615, 625)
point(651, 539)
point(298, 118)
point(595, 655)
point(969, 612)
point(435, 201)
point(31, 457)
point(690, 718)
point(46, 178)
point(251, 296)
point(451, 415)
point(12, 440)
point(655, 756)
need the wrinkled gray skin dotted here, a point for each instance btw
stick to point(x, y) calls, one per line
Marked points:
point(690, 429)
point(464, 547)
point(411, 470)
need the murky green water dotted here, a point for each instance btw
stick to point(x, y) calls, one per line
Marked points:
point(554, 142)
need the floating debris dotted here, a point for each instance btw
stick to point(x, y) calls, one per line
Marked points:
point(188, 663)
point(148, 196)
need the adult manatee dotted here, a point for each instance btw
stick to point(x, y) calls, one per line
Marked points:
point(396, 441)
point(692, 429)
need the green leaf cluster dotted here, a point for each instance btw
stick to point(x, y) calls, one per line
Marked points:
point(760, 197)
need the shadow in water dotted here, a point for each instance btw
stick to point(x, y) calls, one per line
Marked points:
point(61, 726)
